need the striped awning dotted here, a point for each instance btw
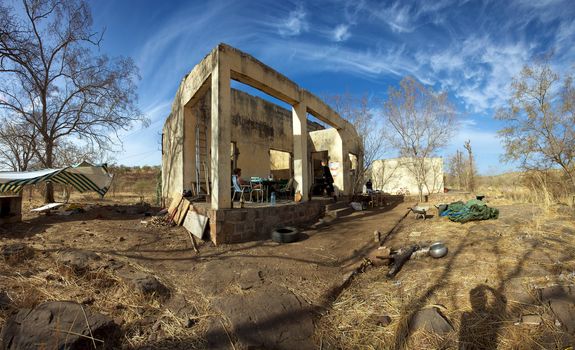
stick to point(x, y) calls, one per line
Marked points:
point(84, 177)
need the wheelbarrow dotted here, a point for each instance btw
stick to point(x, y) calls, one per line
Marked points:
point(420, 211)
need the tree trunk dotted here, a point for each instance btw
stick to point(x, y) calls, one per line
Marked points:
point(49, 194)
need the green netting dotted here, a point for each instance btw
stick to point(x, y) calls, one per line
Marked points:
point(472, 210)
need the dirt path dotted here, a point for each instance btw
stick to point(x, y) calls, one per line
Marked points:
point(250, 295)
point(267, 295)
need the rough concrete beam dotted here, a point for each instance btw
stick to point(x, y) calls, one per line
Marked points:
point(197, 79)
point(242, 78)
point(221, 136)
point(300, 159)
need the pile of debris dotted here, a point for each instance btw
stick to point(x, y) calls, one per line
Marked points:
point(396, 258)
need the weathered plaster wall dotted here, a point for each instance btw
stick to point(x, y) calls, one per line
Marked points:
point(256, 127)
point(172, 155)
point(390, 175)
point(213, 74)
point(329, 140)
point(332, 141)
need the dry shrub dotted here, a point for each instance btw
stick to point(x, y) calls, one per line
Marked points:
point(545, 188)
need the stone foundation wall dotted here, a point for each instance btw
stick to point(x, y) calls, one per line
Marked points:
point(250, 224)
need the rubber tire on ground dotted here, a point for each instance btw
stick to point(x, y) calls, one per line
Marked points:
point(285, 235)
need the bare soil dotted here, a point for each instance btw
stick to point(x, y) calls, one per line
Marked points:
point(251, 295)
point(304, 295)
point(486, 287)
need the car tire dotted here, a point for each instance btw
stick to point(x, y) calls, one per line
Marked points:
point(285, 235)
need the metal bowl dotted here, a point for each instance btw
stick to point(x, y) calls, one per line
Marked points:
point(438, 250)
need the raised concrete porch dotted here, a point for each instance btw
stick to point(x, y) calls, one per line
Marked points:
point(256, 221)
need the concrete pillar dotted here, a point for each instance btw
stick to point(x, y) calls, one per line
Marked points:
point(221, 171)
point(300, 154)
point(345, 168)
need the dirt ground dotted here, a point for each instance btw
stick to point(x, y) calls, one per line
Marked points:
point(263, 295)
point(251, 295)
point(490, 280)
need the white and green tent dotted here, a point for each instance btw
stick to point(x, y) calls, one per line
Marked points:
point(84, 177)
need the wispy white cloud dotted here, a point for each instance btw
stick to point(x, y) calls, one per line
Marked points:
point(341, 33)
point(295, 23)
point(366, 63)
point(468, 48)
point(398, 16)
point(406, 17)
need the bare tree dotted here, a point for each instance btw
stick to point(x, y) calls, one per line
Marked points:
point(463, 171)
point(457, 167)
point(420, 122)
point(382, 171)
point(540, 121)
point(69, 153)
point(53, 79)
point(17, 142)
point(358, 112)
point(470, 168)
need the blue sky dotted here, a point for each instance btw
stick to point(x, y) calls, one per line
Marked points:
point(471, 49)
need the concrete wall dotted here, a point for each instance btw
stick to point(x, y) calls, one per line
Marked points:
point(257, 126)
point(243, 225)
point(391, 175)
point(214, 74)
point(329, 140)
point(172, 156)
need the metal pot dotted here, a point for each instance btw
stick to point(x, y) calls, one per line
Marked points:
point(438, 250)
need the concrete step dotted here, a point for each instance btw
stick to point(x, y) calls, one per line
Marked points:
point(338, 213)
point(336, 205)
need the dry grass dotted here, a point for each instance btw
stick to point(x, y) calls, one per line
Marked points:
point(144, 319)
point(490, 264)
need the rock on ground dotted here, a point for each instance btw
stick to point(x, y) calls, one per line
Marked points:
point(16, 252)
point(145, 283)
point(58, 325)
point(561, 299)
point(5, 300)
point(78, 260)
point(431, 320)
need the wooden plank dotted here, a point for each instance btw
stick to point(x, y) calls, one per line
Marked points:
point(173, 209)
point(179, 212)
point(47, 207)
point(183, 209)
point(174, 205)
point(195, 223)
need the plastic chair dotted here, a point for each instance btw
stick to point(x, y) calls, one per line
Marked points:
point(241, 189)
point(256, 185)
point(287, 189)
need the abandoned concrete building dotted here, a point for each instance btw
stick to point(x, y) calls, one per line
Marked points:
point(395, 176)
point(213, 129)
